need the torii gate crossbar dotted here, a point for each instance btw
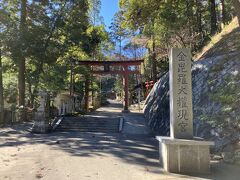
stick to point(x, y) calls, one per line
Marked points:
point(125, 72)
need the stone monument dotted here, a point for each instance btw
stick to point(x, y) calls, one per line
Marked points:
point(41, 117)
point(181, 152)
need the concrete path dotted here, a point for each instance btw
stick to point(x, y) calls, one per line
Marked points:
point(132, 155)
point(134, 122)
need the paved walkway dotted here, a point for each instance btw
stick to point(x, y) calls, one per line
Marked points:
point(132, 155)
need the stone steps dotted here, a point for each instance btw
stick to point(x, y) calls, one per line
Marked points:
point(90, 124)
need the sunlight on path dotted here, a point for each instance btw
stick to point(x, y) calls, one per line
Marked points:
point(75, 155)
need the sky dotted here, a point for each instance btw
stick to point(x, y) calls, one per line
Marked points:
point(108, 9)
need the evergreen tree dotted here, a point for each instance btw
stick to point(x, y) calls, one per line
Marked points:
point(118, 33)
point(41, 36)
point(213, 14)
point(236, 5)
point(1, 90)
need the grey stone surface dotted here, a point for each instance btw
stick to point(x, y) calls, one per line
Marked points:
point(194, 141)
point(181, 123)
point(41, 122)
point(184, 156)
point(41, 117)
point(156, 109)
point(208, 77)
point(178, 153)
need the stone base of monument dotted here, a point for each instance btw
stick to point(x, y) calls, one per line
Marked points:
point(41, 123)
point(125, 111)
point(184, 156)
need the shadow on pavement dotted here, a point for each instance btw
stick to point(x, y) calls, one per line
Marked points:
point(132, 149)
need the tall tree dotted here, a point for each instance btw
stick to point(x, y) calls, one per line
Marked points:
point(223, 13)
point(21, 60)
point(236, 5)
point(154, 59)
point(1, 90)
point(213, 16)
point(118, 33)
point(95, 7)
point(199, 17)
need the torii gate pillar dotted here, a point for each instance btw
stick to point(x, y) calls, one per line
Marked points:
point(124, 72)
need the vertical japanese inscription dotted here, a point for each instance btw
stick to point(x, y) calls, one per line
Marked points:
point(180, 94)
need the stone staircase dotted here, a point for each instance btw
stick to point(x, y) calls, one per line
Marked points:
point(91, 124)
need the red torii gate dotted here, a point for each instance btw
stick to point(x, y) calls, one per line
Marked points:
point(123, 71)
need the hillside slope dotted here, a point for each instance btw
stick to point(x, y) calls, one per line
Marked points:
point(216, 95)
point(226, 42)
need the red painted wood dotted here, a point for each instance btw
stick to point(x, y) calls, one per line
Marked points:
point(111, 63)
point(115, 72)
point(125, 72)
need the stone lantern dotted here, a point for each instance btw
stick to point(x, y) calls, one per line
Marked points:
point(41, 116)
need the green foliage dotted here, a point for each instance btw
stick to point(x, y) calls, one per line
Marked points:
point(97, 38)
point(117, 30)
point(228, 96)
point(94, 12)
point(54, 33)
point(118, 33)
point(42, 44)
point(172, 23)
point(118, 85)
point(9, 81)
point(217, 68)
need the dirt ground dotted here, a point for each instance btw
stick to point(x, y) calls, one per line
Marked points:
point(89, 156)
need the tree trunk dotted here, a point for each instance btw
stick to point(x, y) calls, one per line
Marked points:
point(199, 18)
point(213, 15)
point(1, 92)
point(87, 83)
point(148, 66)
point(31, 96)
point(135, 52)
point(21, 82)
point(223, 13)
point(34, 95)
point(71, 80)
point(92, 94)
point(189, 14)
point(120, 48)
point(21, 62)
point(154, 63)
point(236, 5)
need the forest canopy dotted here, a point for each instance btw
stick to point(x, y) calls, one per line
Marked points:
point(40, 41)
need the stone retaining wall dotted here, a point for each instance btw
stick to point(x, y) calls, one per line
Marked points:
point(209, 76)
